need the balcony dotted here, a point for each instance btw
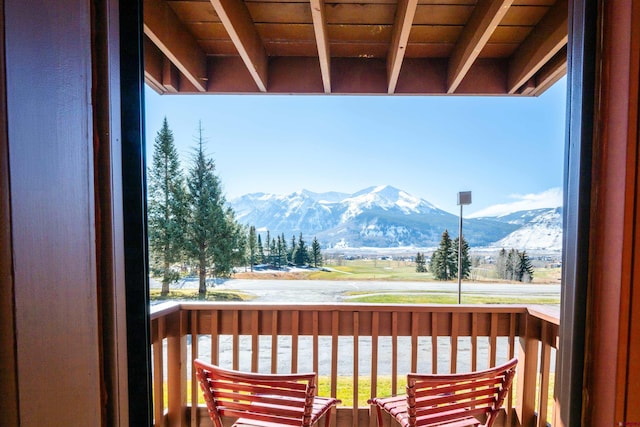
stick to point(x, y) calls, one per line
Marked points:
point(358, 350)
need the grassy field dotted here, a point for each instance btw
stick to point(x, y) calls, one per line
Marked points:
point(192, 295)
point(417, 297)
point(392, 270)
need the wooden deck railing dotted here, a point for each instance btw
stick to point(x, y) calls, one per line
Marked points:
point(367, 348)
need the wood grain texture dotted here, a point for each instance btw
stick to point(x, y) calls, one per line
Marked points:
point(52, 210)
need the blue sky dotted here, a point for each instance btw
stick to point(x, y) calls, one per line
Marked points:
point(504, 150)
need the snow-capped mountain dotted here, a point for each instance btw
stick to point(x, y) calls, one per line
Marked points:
point(541, 229)
point(385, 216)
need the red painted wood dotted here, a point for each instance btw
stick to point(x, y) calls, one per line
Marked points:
point(48, 72)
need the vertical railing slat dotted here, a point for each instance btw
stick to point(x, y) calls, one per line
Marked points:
point(194, 381)
point(526, 376)
point(295, 329)
point(493, 339)
point(512, 348)
point(543, 392)
point(453, 367)
point(474, 341)
point(434, 342)
point(513, 319)
point(158, 370)
point(394, 353)
point(215, 337)
point(415, 321)
point(274, 341)
point(375, 327)
point(356, 358)
point(236, 340)
point(315, 331)
point(255, 341)
point(176, 370)
point(335, 329)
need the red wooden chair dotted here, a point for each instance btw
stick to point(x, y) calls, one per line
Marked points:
point(264, 400)
point(454, 400)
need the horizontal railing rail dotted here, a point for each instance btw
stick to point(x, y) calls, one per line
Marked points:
point(366, 348)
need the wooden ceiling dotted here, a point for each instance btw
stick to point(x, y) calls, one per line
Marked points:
point(432, 47)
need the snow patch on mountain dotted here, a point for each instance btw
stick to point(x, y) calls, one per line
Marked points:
point(542, 232)
point(385, 217)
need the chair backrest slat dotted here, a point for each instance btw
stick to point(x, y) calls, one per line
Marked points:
point(435, 398)
point(281, 398)
point(432, 389)
point(471, 397)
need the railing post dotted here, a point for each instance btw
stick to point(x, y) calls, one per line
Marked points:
point(177, 369)
point(526, 376)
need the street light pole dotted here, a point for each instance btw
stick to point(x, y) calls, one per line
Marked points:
point(464, 198)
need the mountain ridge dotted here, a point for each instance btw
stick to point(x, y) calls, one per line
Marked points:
point(384, 217)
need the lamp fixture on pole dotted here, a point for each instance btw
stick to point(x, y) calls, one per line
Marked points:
point(464, 198)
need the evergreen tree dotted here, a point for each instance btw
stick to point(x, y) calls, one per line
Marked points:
point(514, 265)
point(285, 250)
point(466, 261)
point(421, 264)
point(444, 261)
point(525, 268)
point(267, 249)
point(167, 208)
point(301, 254)
point(280, 256)
point(273, 251)
point(292, 249)
point(252, 246)
point(230, 248)
point(208, 228)
point(316, 254)
point(260, 255)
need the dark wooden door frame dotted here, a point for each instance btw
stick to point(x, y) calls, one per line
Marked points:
point(135, 214)
point(577, 202)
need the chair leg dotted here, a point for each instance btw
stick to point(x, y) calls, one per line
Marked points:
point(379, 413)
point(327, 418)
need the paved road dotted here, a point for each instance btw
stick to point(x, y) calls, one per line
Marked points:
point(332, 291)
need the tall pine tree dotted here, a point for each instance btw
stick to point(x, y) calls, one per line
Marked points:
point(421, 264)
point(252, 246)
point(207, 220)
point(260, 255)
point(525, 268)
point(316, 253)
point(167, 208)
point(466, 261)
point(514, 265)
point(444, 261)
point(301, 253)
point(285, 250)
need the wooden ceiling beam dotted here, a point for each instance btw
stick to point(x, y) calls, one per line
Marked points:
point(153, 66)
point(484, 20)
point(350, 76)
point(322, 40)
point(547, 39)
point(401, 28)
point(165, 30)
point(237, 20)
point(552, 71)
point(170, 76)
